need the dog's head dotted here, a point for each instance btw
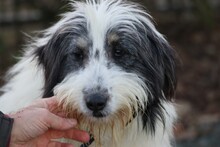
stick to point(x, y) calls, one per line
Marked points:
point(106, 62)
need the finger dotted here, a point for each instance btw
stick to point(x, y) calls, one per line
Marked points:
point(58, 144)
point(50, 103)
point(74, 134)
point(61, 114)
point(46, 103)
point(67, 145)
point(59, 123)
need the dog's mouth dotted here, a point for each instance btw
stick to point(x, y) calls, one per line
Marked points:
point(96, 111)
point(101, 116)
point(76, 113)
point(98, 114)
point(98, 122)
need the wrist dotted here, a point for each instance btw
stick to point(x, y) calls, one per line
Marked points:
point(6, 124)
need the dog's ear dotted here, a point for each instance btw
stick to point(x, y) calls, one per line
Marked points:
point(50, 57)
point(161, 61)
point(165, 60)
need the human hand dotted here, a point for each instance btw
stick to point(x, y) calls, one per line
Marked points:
point(36, 125)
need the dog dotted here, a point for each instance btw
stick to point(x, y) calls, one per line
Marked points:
point(110, 69)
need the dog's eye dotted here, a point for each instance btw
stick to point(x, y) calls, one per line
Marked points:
point(118, 52)
point(78, 55)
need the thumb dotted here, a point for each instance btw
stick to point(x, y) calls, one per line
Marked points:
point(59, 123)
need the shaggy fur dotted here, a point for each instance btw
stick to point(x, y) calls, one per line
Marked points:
point(109, 67)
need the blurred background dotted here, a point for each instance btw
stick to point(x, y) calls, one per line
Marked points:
point(191, 26)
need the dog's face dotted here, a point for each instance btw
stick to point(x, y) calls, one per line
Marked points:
point(106, 61)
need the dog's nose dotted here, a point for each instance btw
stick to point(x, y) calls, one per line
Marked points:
point(96, 102)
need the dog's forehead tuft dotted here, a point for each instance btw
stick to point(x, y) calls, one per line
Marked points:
point(121, 15)
point(104, 15)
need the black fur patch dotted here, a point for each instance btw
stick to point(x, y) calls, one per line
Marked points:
point(153, 59)
point(60, 56)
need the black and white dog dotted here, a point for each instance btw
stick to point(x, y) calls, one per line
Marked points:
point(109, 67)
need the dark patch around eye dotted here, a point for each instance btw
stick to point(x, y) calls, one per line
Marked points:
point(77, 55)
point(56, 56)
point(117, 50)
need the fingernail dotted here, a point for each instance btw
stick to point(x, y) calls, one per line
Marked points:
point(72, 122)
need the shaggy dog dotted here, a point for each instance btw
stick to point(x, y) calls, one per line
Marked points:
point(109, 67)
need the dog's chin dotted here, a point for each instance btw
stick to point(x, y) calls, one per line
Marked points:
point(89, 116)
point(94, 116)
point(100, 117)
point(100, 123)
point(99, 114)
point(121, 116)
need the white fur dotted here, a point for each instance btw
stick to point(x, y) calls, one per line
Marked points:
point(27, 80)
point(23, 88)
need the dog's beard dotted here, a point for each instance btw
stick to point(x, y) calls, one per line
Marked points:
point(113, 125)
point(128, 97)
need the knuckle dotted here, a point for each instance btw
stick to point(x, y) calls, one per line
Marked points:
point(45, 114)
